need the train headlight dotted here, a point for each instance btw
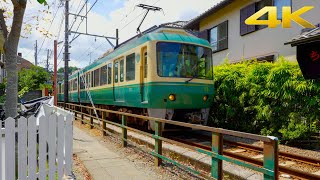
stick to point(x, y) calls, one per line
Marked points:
point(205, 98)
point(172, 97)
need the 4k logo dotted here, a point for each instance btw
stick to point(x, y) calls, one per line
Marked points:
point(287, 17)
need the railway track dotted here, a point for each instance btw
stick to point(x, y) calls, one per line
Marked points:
point(303, 161)
point(202, 141)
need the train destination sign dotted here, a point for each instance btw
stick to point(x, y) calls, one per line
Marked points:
point(308, 56)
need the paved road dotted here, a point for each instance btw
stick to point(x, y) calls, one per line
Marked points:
point(102, 162)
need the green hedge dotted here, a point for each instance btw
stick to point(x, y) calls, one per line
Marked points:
point(266, 98)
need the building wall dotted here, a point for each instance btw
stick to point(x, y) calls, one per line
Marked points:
point(262, 42)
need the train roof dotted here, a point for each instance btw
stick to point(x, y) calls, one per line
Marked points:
point(153, 36)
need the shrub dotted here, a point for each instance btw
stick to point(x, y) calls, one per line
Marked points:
point(266, 98)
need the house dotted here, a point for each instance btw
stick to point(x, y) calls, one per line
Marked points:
point(308, 52)
point(23, 63)
point(224, 27)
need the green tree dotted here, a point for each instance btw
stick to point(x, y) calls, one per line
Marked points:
point(11, 41)
point(71, 69)
point(33, 78)
point(266, 98)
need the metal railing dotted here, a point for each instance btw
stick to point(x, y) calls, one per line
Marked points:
point(270, 148)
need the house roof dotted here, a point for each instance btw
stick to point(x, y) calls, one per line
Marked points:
point(23, 64)
point(307, 35)
point(195, 22)
point(176, 24)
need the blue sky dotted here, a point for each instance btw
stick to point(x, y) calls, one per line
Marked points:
point(106, 6)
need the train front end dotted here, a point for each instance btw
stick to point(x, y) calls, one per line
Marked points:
point(182, 82)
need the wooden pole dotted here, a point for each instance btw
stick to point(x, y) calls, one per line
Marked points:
point(55, 88)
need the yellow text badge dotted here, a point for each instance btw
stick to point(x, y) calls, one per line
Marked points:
point(287, 17)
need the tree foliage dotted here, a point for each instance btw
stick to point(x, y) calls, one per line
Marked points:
point(267, 98)
point(11, 37)
point(71, 69)
point(33, 78)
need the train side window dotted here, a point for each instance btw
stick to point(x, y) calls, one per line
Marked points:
point(92, 78)
point(109, 73)
point(89, 79)
point(130, 67)
point(104, 75)
point(145, 65)
point(75, 84)
point(96, 77)
point(116, 70)
point(81, 82)
point(121, 71)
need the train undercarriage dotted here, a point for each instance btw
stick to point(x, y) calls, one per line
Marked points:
point(193, 116)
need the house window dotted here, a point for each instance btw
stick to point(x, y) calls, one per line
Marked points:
point(269, 58)
point(251, 9)
point(219, 37)
point(260, 5)
point(279, 4)
point(130, 67)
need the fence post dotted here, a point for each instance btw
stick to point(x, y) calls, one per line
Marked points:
point(158, 143)
point(75, 113)
point(270, 158)
point(91, 119)
point(124, 131)
point(217, 148)
point(104, 124)
point(82, 117)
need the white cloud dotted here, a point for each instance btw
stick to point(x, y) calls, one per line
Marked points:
point(126, 19)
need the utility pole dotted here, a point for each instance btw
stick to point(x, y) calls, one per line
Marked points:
point(47, 63)
point(77, 34)
point(66, 52)
point(55, 85)
point(36, 54)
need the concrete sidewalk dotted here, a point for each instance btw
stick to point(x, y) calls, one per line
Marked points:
point(102, 162)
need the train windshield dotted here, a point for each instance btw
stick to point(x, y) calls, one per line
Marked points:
point(183, 60)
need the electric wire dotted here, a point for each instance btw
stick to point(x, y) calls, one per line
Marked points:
point(45, 37)
point(83, 18)
point(119, 31)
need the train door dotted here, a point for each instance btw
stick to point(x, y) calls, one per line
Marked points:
point(116, 81)
point(83, 90)
point(78, 87)
point(144, 75)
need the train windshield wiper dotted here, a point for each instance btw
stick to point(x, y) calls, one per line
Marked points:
point(187, 81)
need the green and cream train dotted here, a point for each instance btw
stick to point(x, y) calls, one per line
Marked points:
point(166, 73)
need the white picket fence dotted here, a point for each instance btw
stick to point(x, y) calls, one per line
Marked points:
point(22, 157)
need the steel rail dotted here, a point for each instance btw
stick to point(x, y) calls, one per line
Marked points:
point(283, 169)
point(282, 154)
